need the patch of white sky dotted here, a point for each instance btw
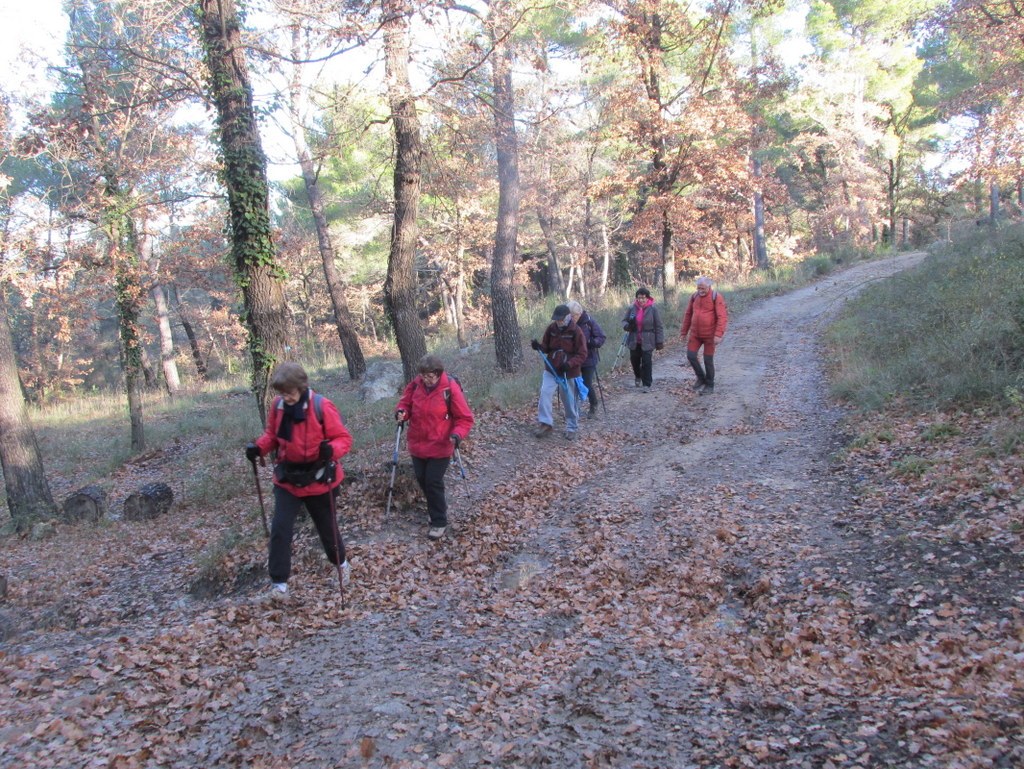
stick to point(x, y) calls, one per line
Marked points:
point(32, 36)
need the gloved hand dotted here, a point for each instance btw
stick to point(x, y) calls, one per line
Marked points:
point(456, 440)
point(534, 344)
point(326, 451)
point(252, 452)
point(659, 346)
point(400, 415)
point(629, 324)
point(563, 369)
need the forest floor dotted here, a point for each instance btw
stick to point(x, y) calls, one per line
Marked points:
point(698, 581)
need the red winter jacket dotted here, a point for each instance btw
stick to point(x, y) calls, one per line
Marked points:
point(434, 417)
point(706, 316)
point(304, 446)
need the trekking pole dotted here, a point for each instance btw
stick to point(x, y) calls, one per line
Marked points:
point(622, 347)
point(458, 461)
point(600, 390)
point(394, 467)
point(562, 381)
point(337, 547)
point(259, 493)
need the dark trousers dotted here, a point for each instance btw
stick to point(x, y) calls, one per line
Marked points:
point(282, 529)
point(589, 375)
point(430, 476)
point(705, 374)
point(643, 365)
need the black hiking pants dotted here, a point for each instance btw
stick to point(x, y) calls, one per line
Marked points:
point(589, 375)
point(430, 476)
point(643, 364)
point(282, 529)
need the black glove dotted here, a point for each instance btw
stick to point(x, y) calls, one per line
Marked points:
point(629, 324)
point(563, 369)
point(252, 452)
point(456, 440)
point(534, 344)
point(326, 451)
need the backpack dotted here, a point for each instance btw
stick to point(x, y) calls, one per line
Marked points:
point(714, 302)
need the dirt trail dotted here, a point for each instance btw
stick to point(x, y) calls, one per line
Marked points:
point(685, 586)
point(686, 507)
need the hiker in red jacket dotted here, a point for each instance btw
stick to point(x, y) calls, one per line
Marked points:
point(308, 434)
point(439, 420)
point(704, 326)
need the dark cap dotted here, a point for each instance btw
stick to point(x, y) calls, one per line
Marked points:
point(560, 312)
point(643, 292)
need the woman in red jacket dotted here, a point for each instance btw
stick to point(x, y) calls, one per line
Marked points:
point(308, 434)
point(704, 325)
point(439, 420)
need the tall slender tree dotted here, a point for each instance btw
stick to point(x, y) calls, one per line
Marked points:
point(351, 348)
point(244, 175)
point(400, 286)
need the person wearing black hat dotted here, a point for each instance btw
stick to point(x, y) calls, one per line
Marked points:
point(565, 350)
point(646, 334)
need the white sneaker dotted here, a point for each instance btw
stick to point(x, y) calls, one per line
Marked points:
point(436, 532)
point(346, 573)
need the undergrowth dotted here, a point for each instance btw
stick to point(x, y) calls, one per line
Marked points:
point(948, 333)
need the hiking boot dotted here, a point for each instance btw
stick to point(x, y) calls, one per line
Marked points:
point(569, 436)
point(278, 593)
point(645, 389)
point(542, 431)
point(436, 532)
point(698, 386)
point(637, 383)
point(708, 389)
point(592, 412)
point(346, 573)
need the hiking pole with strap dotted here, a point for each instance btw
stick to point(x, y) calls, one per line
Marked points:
point(562, 381)
point(622, 347)
point(337, 547)
point(394, 468)
point(259, 493)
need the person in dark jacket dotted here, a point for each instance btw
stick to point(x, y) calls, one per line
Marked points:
point(439, 420)
point(645, 334)
point(564, 350)
point(704, 326)
point(307, 432)
point(594, 337)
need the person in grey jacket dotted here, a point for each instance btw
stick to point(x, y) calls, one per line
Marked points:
point(646, 334)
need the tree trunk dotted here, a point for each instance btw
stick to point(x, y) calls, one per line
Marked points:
point(555, 283)
point(400, 284)
point(993, 202)
point(508, 343)
point(193, 341)
point(668, 260)
point(760, 245)
point(167, 362)
point(606, 258)
point(265, 313)
point(335, 285)
point(28, 493)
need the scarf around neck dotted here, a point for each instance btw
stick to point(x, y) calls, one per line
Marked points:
point(641, 308)
point(292, 414)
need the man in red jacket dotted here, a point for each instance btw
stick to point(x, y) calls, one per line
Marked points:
point(704, 326)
